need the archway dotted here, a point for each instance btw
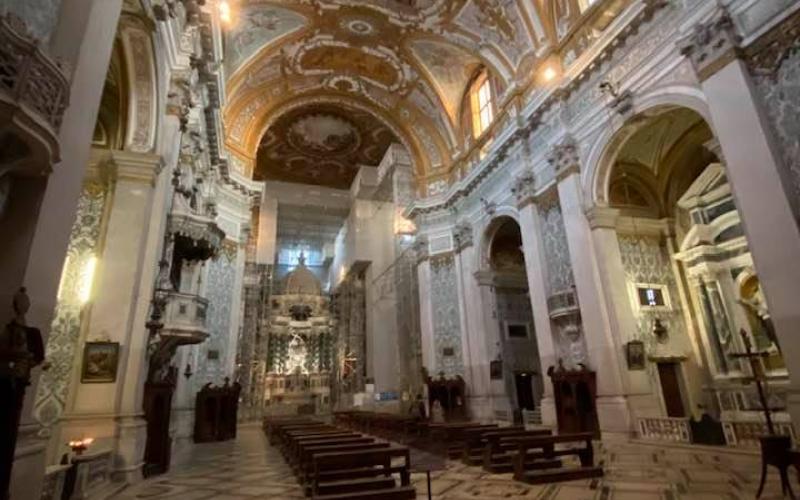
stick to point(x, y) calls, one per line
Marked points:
point(516, 371)
point(689, 273)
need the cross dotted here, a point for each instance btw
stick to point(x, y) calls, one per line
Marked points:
point(758, 375)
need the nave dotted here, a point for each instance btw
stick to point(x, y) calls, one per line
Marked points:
point(248, 468)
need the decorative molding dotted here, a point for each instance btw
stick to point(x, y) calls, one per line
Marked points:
point(766, 55)
point(463, 236)
point(564, 158)
point(421, 249)
point(712, 45)
point(602, 217)
point(524, 189)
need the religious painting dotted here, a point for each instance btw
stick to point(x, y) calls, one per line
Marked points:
point(634, 353)
point(100, 360)
point(496, 370)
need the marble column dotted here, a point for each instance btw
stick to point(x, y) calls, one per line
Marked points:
point(425, 305)
point(126, 270)
point(754, 168)
point(83, 38)
point(536, 271)
point(592, 261)
point(474, 352)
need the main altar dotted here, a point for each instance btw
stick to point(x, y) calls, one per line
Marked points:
point(300, 347)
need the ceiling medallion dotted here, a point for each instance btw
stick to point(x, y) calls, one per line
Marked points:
point(323, 135)
point(357, 27)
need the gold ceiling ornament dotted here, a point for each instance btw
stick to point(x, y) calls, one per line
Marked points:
point(408, 62)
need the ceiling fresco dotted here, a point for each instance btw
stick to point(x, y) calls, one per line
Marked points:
point(321, 144)
point(406, 63)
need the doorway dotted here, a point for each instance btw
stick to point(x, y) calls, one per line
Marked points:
point(669, 375)
point(524, 384)
point(157, 410)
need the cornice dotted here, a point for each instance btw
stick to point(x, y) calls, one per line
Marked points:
point(525, 126)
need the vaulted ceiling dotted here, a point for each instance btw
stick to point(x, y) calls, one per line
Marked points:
point(404, 63)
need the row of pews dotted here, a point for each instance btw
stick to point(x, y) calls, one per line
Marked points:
point(534, 456)
point(333, 463)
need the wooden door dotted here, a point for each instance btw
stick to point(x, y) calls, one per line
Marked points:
point(157, 410)
point(671, 389)
point(524, 384)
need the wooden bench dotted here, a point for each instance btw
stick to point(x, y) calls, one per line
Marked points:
point(291, 443)
point(500, 449)
point(296, 451)
point(455, 439)
point(361, 474)
point(305, 466)
point(475, 441)
point(535, 457)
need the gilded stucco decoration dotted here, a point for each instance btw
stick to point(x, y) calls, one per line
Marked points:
point(409, 63)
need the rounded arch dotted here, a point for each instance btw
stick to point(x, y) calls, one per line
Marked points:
point(600, 157)
point(488, 230)
point(140, 69)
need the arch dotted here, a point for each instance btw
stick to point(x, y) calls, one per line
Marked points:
point(140, 68)
point(600, 157)
point(488, 230)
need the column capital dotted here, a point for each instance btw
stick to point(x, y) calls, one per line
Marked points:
point(421, 248)
point(602, 217)
point(564, 158)
point(524, 189)
point(462, 236)
point(111, 166)
point(711, 45)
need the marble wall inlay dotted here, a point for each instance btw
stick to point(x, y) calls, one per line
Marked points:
point(63, 342)
point(446, 321)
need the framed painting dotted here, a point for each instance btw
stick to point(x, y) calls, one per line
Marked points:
point(100, 361)
point(634, 353)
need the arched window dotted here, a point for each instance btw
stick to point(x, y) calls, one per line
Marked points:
point(482, 104)
point(585, 4)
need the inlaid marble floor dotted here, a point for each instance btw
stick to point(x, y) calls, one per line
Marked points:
point(249, 469)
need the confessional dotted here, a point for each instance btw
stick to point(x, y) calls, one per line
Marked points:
point(216, 411)
point(575, 394)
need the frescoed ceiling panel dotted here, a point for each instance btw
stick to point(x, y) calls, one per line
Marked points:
point(407, 61)
point(321, 144)
point(258, 26)
point(450, 69)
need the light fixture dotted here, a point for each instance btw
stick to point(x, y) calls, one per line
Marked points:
point(78, 446)
point(86, 280)
point(549, 73)
point(225, 11)
point(188, 371)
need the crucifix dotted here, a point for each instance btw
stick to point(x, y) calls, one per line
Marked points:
point(775, 449)
point(756, 364)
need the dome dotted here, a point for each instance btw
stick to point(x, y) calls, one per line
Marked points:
point(302, 281)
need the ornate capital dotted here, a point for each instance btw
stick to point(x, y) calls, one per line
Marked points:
point(462, 236)
point(602, 217)
point(421, 248)
point(564, 158)
point(711, 45)
point(524, 189)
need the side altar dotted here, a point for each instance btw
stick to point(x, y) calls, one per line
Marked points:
point(300, 347)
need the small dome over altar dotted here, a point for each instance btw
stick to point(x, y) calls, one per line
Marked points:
point(301, 281)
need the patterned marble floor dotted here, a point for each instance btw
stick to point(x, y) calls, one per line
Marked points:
point(249, 469)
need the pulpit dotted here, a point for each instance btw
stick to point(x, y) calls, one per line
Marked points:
point(575, 394)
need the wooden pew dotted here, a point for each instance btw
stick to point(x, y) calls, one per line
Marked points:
point(294, 452)
point(543, 452)
point(305, 466)
point(500, 449)
point(362, 475)
point(455, 438)
point(292, 441)
point(474, 441)
point(273, 426)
